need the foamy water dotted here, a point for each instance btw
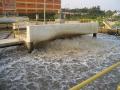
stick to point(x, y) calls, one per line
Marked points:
point(61, 64)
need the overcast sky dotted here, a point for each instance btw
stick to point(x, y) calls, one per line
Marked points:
point(104, 4)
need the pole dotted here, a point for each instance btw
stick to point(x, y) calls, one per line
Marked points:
point(44, 11)
point(3, 7)
point(26, 7)
point(15, 9)
point(37, 15)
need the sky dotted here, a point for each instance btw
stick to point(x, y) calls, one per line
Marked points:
point(104, 4)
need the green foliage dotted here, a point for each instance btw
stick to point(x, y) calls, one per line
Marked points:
point(89, 13)
point(86, 13)
point(109, 13)
point(117, 18)
point(117, 23)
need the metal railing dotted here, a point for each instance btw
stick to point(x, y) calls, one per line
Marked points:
point(107, 24)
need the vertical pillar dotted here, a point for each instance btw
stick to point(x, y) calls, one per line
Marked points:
point(94, 35)
point(117, 32)
point(37, 18)
point(29, 43)
point(30, 47)
point(44, 11)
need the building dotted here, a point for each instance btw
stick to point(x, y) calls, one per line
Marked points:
point(29, 6)
point(1, 8)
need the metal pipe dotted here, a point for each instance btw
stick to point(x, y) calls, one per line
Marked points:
point(98, 75)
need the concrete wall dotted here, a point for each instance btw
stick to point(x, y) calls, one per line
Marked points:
point(38, 33)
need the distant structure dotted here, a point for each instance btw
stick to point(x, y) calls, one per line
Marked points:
point(9, 7)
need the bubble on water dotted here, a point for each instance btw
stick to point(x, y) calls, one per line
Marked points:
point(61, 64)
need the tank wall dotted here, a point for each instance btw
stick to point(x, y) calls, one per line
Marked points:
point(38, 33)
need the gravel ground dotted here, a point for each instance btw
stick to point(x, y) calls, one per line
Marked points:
point(61, 64)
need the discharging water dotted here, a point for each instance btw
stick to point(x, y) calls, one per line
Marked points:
point(61, 64)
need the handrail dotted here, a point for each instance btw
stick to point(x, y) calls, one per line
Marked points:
point(98, 75)
point(107, 24)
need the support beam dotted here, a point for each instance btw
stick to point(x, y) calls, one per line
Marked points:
point(30, 47)
point(94, 35)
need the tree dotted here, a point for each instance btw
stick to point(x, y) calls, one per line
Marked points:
point(109, 13)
